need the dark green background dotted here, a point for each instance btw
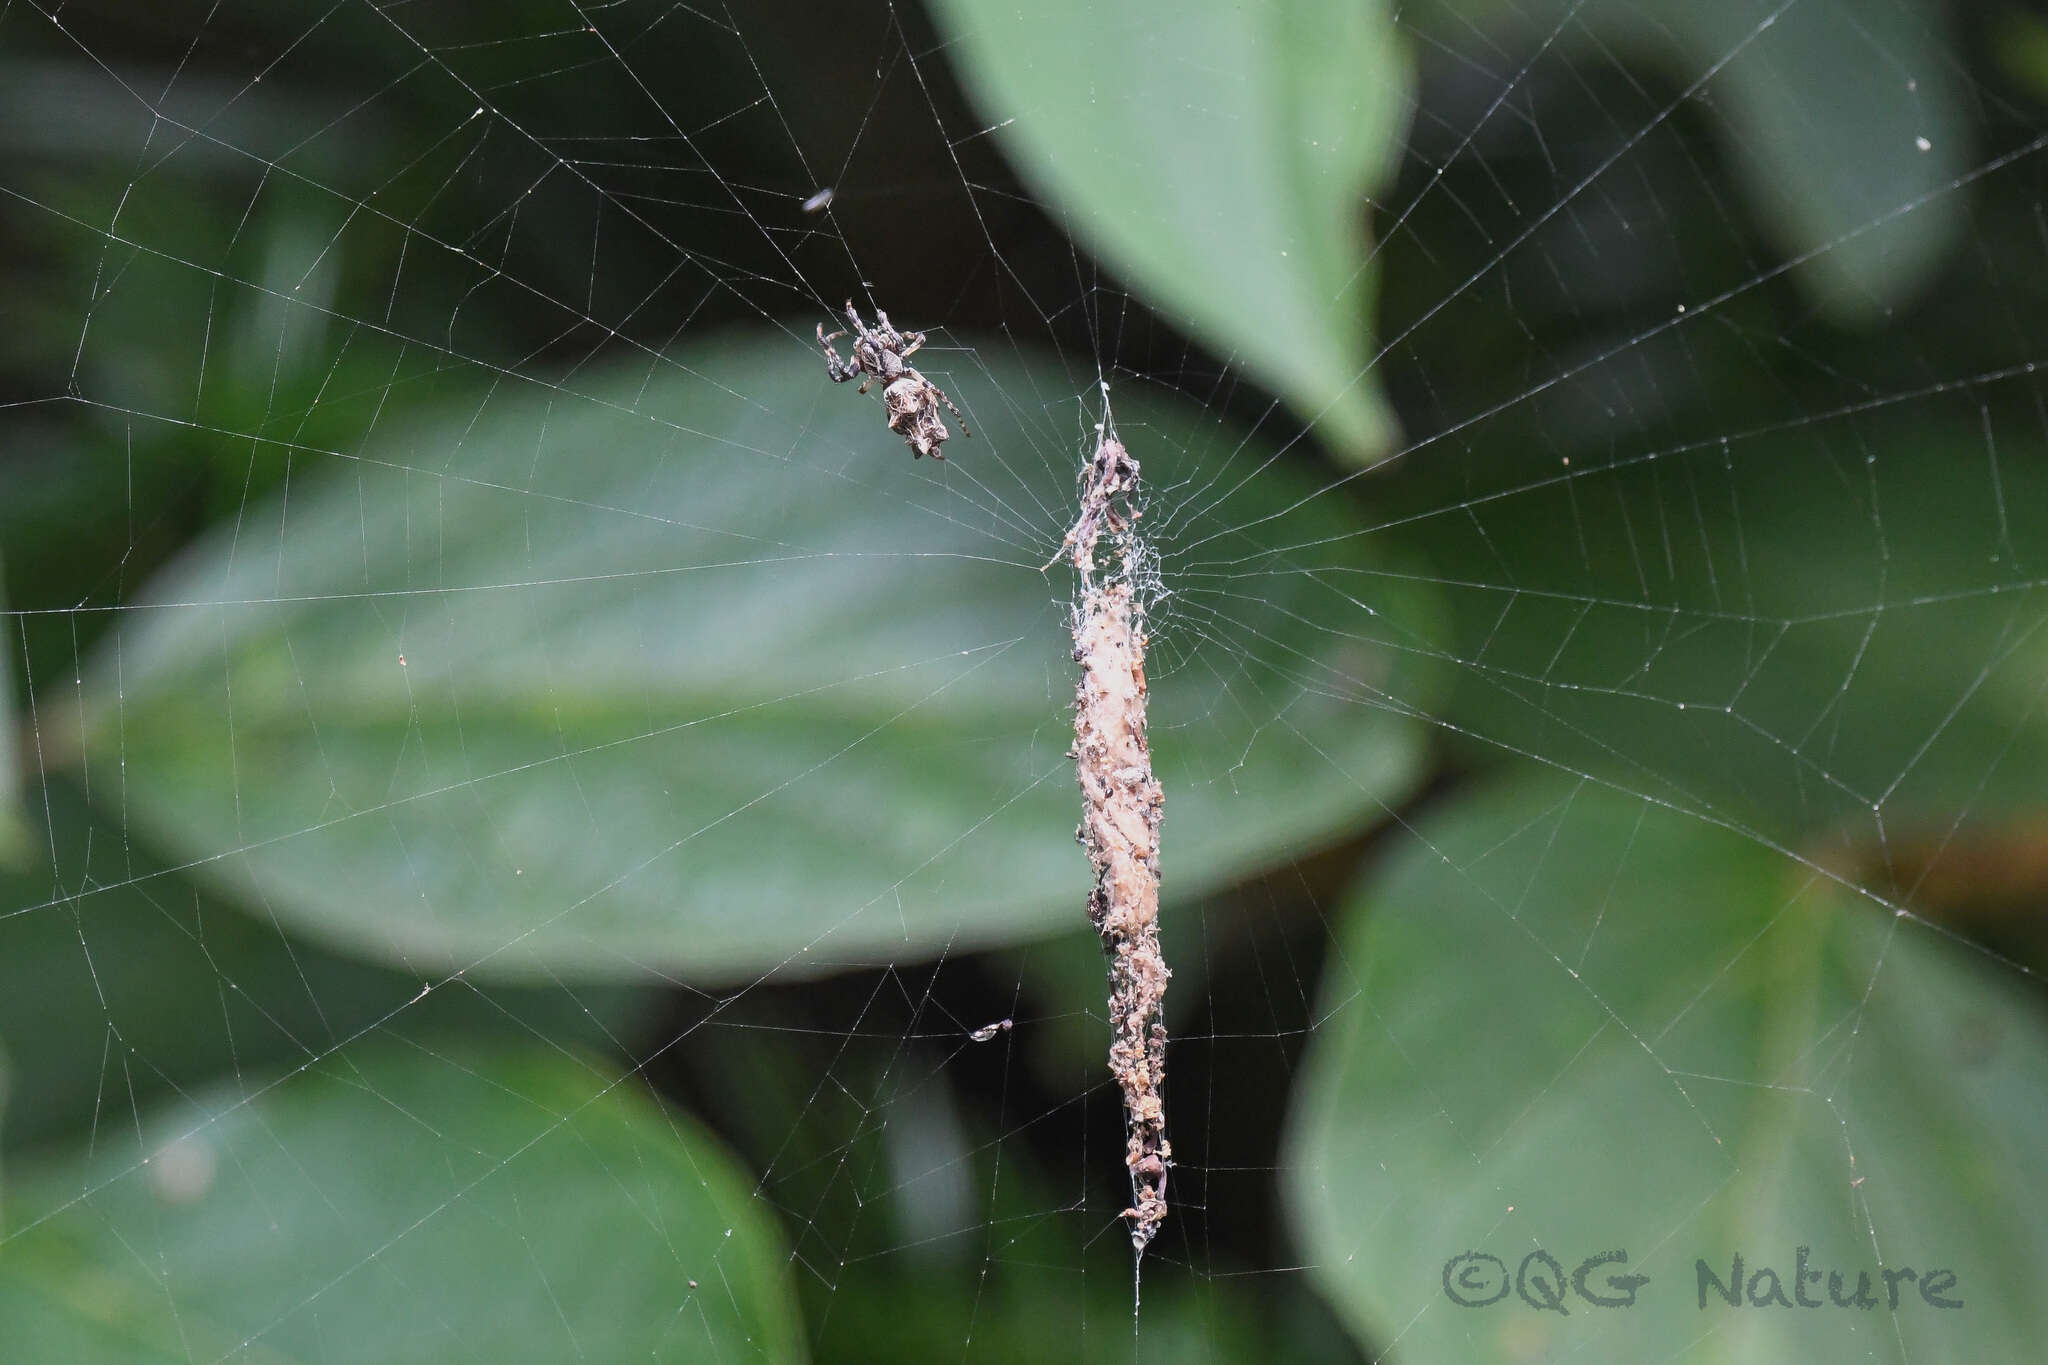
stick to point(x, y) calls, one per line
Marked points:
point(517, 792)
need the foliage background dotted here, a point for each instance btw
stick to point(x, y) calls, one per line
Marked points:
point(1571, 888)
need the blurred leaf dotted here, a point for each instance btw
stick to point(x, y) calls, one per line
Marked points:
point(397, 1204)
point(14, 840)
point(694, 672)
point(1839, 118)
point(1005, 1314)
point(1576, 1021)
point(119, 981)
point(1217, 155)
point(2020, 42)
point(1835, 630)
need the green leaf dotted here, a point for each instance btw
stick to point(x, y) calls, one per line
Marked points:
point(397, 1204)
point(694, 671)
point(1217, 155)
point(14, 837)
point(120, 982)
point(1025, 1313)
point(2020, 40)
point(1576, 1021)
point(1846, 123)
point(1831, 631)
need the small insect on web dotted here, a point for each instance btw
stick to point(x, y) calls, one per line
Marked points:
point(881, 352)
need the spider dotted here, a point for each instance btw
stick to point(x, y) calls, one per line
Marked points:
point(912, 401)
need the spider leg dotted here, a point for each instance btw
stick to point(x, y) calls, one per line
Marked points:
point(913, 341)
point(840, 370)
point(949, 406)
